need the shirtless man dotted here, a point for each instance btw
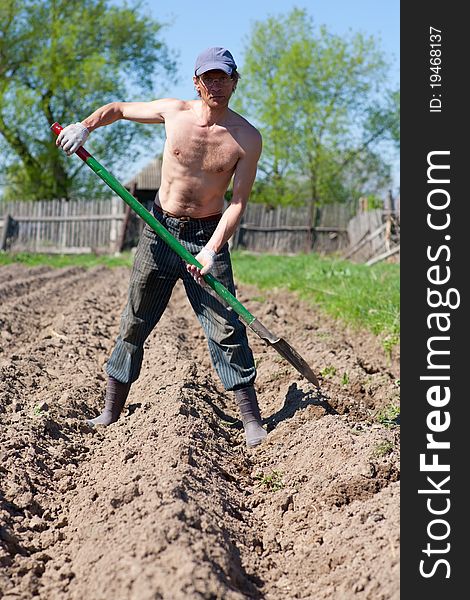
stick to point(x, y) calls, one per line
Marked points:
point(206, 145)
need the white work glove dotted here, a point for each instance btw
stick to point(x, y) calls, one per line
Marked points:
point(72, 137)
point(207, 259)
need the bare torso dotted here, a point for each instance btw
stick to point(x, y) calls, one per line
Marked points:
point(206, 144)
point(199, 160)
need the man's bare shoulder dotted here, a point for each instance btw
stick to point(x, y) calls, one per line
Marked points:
point(245, 128)
point(173, 104)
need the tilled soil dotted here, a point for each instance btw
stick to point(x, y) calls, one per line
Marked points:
point(168, 503)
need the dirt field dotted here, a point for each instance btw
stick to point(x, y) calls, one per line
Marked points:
point(168, 503)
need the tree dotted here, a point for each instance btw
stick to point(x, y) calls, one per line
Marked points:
point(59, 61)
point(322, 107)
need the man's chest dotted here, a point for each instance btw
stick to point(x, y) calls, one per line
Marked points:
point(214, 150)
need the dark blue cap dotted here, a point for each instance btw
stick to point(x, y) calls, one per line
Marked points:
point(215, 59)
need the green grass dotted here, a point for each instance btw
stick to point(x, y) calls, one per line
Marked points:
point(67, 260)
point(389, 416)
point(328, 371)
point(382, 449)
point(272, 482)
point(361, 296)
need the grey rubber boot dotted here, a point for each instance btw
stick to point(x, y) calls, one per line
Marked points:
point(116, 396)
point(250, 415)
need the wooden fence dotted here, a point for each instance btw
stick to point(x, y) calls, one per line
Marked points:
point(59, 226)
point(106, 226)
point(288, 229)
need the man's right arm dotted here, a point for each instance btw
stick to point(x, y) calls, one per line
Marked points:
point(75, 135)
point(141, 112)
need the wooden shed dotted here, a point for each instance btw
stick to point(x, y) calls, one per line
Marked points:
point(143, 186)
point(146, 183)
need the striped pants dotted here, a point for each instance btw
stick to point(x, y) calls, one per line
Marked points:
point(155, 272)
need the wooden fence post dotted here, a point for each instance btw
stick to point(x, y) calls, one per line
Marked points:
point(113, 234)
point(6, 227)
point(311, 226)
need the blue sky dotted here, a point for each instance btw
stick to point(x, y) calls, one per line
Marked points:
point(193, 25)
point(197, 24)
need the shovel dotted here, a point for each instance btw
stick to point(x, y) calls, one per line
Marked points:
point(279, 344)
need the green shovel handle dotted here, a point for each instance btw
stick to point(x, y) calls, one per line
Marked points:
point(159, 229)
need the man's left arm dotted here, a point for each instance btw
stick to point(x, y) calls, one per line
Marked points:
point(243, 179)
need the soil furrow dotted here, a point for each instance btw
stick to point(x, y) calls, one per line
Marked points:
point(17, 288)
point(16, 271)
point(42, 313)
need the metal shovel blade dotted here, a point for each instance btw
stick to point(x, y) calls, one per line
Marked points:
point(286, 351)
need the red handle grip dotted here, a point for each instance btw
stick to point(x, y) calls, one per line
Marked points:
point(81, 152)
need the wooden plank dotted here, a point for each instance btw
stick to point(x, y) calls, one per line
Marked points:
point(253, 227)
point(67, 250)
point(383, 256)
point(266, 228)
point(6, 223)
point(365, 240)
point(69, 219)
point(62, 230)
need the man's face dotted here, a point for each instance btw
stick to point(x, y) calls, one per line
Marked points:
point(215, 88)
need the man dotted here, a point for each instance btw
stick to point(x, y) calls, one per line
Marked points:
point(206, 145)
